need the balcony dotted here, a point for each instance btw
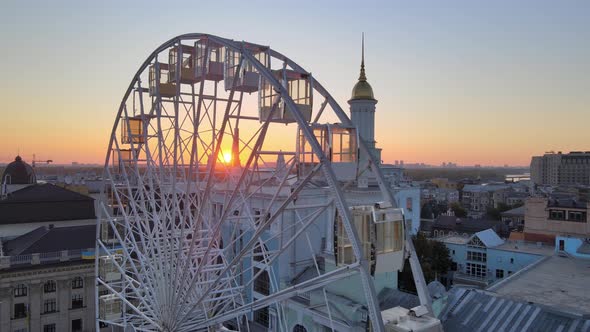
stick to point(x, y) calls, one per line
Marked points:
point(7, 262)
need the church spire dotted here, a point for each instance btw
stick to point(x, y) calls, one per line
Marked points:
point(362, 89)
point(362, 76)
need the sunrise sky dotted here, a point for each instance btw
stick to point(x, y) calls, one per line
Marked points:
point(458, 81)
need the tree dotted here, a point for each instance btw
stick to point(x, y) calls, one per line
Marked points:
point(459, 211)
point(434, 260)
point(426, 211)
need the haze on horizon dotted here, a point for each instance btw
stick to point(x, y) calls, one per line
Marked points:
point(458, 81)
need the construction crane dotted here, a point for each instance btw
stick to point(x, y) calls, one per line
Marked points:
point(34, 161)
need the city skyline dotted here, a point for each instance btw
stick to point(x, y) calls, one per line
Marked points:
point(466, 83)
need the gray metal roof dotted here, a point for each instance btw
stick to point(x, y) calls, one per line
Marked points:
point(390, 298)
point(46, 240)
point(489, 238)
point(476, 310)
point(519, 211)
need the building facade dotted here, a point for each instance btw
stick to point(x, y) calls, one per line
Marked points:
point(483, 258)
point(477, 198)
point(547, 218)
point(561, 169)
point(47, 281)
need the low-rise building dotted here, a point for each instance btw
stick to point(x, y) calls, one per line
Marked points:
point(547, 218)
point(483, 258)
point(477, 198)
point(445, 183)
point(449, 224)
point(47, 280)
point(514, 218)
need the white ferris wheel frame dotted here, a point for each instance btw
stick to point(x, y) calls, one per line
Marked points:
point(361, 266)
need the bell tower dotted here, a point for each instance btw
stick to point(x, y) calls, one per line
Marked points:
point(362, 111)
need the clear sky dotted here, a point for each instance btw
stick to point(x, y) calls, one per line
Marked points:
point(462, 81)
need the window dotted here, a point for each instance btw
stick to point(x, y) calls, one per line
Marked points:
point(389, 236)
point(499, 274)
point(262, 282)
point(511, 260)
point(576, 216)
point(557, 214)
point(509, 272)
point(453, 251)
point(77, 301)
point(475, 270)
point(49, 306)
point(24, 329)
point(299, 328)
point(476, 243)
point(20, 290)
point(77, 325)
point(20, 310)
point(361, 220)
point(77, 283)
point(261, 317)
point(409, 204)
point(49, 286)
point(49, 328)
point(477, 256)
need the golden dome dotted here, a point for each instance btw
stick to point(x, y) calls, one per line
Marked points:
point(362, 89)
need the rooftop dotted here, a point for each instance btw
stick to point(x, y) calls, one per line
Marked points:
point(45, 202)
point(560, 282)
point(466, 225)
point(484, 187)
point(476, 310)
point(519, 211)
point(45, 240)
point(537, 248)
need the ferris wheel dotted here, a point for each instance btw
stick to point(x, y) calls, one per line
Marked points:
point(226, 178)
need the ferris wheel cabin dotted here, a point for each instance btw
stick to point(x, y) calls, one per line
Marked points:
point(183, 72)
point(209, 60)
point(110, 307)
point(244, 78)
point(298, 86)
point(339, 143)
point(132, 130)
point(160, 82)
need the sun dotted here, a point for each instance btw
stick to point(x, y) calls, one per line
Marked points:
point(226, 157)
